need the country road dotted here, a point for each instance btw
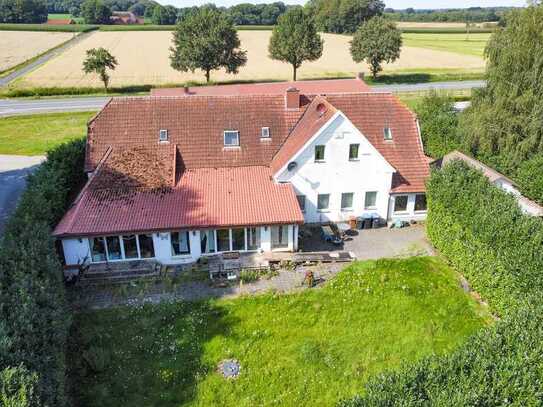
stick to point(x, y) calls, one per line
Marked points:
point(9, 107)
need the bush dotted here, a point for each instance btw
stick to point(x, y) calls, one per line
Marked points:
point(439, 124)
point(31, 278)
point(485, 235)
point(530, 178)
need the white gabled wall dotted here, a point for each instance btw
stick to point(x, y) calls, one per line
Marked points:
point(338, 175)
point(76, 251)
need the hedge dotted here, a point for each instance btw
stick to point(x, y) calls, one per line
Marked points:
point(485, 235)
point(34, 316)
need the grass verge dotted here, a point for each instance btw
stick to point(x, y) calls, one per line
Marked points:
point(310, 348)
point(36, 134)
point(47, 27)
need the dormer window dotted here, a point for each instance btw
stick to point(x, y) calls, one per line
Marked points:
point(388, 133)
point(231, 138)
point(163, 135)
point(265, 132)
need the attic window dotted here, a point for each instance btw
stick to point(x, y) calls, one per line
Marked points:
point(163, 135)
point(231, 138)
point(265, 132)
point(388, 133)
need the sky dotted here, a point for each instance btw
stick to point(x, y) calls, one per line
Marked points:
point(398, 4)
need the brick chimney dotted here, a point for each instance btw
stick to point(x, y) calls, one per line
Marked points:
point(292, 98)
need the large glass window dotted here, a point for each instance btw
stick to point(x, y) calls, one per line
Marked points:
point(347, 201)
point(370, 201)
point(323, 202)
point(130, 247)
point(98, 249)
point(113, 248)
point(180, 243)
point(207, 241)
point(279, 235)
point(253, 238)
point(147, 247)
point(238, 239)
point(353, 151)
point(223, 240)
point(400, 203)
point(319, 153)
point(420, 203)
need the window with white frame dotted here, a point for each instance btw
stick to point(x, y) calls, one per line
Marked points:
point(420, 203)
point(126, 247)
point(98, 249)
point(223, 240)
point(319, 153)
point(279, 237)
point(130, 245)
point(207, 241)
point(238, 239)
point(113, 248)
point(400, 203)
point(387, 133)
point(253, 238)
point(353, 152)
point(301, 202)
point(163, 135)
point(231, 138)
point(146, 246)
point(323, 202)
point(265, 132)
point(370, 201)
point(347, 201)
point(180, 243)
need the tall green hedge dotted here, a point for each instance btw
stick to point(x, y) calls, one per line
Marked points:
point(484, 234)
point(34, 317)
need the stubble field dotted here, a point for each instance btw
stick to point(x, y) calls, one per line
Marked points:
point(144, 59)
point(18, 46)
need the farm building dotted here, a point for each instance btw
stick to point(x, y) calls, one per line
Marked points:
point(125, 17)
point(191, 172)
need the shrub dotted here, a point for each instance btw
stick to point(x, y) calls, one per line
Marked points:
point(530, 178)
point(31, 279)
point(248, 276)
point(485, 235)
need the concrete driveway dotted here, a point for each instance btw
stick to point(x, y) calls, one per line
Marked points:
point(13, 172)
point(376, 243)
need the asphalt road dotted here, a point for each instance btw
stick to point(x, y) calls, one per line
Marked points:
point(13, 172)
point(10, 107)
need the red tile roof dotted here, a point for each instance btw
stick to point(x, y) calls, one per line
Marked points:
point(320, 87)
point(204, 197)
point(137, 173)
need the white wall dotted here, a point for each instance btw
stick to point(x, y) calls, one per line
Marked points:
point(76, 251)
point(338, 175)
point(409, 214)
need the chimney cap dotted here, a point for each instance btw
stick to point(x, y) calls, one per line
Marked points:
point(292, 89)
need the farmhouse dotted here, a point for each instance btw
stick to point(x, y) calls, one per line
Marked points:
point(125, 18)
point(178, 177)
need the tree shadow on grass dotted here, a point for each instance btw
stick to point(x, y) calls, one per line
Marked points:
point(405, 78)
point(143, 356)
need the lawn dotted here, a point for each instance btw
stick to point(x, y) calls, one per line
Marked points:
point(35, 134)
point(311, 348)
point(474, 44)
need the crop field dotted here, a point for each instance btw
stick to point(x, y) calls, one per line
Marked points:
point(16, 47)
point(144, 59)
point(472, 44)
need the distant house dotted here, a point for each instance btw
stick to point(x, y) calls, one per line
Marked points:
point(125, 18)
point(60, 21)
point(500, 180)
point(191, 172)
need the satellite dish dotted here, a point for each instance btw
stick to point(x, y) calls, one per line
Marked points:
point(292, 165)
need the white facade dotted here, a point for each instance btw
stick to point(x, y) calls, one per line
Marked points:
point(270, 238)
point(339, 174)
point(411, 212)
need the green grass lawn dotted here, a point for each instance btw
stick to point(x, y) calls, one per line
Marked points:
point(460, 43)
point(306, 349)
point(35, 134)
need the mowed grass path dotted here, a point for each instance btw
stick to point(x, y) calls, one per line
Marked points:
point(35, 134)
point(474, 44)
point(306, 349)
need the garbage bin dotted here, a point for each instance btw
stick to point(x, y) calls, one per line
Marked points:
point(368, 223)
point(360, 223)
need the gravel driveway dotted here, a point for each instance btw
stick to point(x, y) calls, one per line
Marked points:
point(13, 172)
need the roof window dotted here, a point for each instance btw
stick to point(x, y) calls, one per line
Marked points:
point(231, 138)
point(265, 132)
point(163, 135)
point(388, 133)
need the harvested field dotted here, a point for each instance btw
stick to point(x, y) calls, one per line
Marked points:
point(16, 46)
point(144, 59)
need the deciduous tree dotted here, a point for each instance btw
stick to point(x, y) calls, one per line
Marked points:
point(376, 41)
point(95, 12)
point(99, 60)
point(206, 39)
point(295, 39)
